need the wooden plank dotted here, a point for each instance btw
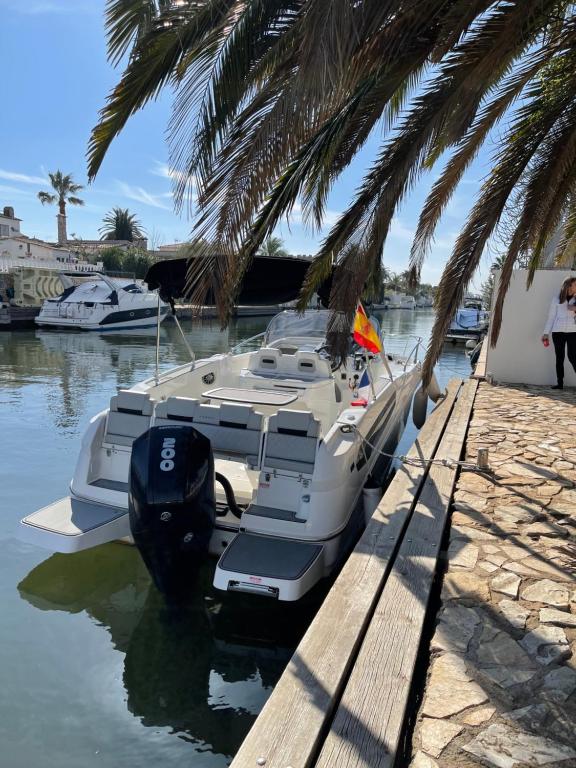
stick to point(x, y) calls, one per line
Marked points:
point(290, 728)
point(480, 370)
point(367, 726)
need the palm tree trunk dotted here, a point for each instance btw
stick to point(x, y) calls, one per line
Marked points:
point(62, 234)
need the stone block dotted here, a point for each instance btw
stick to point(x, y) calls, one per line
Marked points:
point(435, 735)
point(547, 592)
point(501, 746)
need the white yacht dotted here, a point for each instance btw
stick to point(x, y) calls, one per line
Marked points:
point(101, 303)
point(259, 457)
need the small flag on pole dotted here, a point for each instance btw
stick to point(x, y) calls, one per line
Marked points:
point(364, 332)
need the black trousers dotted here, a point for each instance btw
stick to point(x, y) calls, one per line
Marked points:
point(561, 341)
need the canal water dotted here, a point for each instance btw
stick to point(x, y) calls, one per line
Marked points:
point(94, 669)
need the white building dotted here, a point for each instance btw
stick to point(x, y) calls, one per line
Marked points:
point(29, 267)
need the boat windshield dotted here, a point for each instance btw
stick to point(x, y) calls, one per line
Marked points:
point(311, 325)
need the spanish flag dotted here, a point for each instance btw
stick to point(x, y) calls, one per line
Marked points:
point(364, 332)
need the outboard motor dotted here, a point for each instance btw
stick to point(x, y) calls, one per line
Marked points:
point(171, 503)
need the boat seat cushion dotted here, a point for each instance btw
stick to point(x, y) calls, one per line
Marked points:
point(266, 359)
point(310, 364)
point(175, 410)
point(230, 427)
point(128, 418)
point(291, 441)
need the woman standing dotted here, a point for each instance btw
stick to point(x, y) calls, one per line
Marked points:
point(561, 323)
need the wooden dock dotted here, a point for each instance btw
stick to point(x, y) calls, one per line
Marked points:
point(343, 698)
point(17, 318)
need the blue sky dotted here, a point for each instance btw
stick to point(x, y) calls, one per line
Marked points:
point(53, 55)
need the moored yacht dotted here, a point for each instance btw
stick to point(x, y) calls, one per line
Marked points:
point(101, 303)
point(258, 456)
point(470, 322)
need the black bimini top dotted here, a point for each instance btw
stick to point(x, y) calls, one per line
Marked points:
point(268, 280)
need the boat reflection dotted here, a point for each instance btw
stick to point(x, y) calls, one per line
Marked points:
point(204, 670)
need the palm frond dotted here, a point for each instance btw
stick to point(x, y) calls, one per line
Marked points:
point(185, 31)
point(47, 198)
point(127, 21)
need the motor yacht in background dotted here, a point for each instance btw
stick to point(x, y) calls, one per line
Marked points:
point(101, 303)
point(258, 456)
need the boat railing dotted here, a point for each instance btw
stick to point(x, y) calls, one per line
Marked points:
point(247, 345)
point(409, 354)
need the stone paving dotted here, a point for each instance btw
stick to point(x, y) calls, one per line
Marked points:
point(501, 689)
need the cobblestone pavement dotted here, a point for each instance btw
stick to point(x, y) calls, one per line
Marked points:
point(501, 689)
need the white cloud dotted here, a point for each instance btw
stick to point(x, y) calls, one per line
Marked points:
point(21, 177)
point(9, 192)
point(142, 196)
point(165, 172)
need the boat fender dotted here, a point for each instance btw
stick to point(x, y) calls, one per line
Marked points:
point(434, 391)
point(419, 406)
point(371, 496)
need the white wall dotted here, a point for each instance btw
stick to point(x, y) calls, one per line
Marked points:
point(23, 249)
point(519, 356)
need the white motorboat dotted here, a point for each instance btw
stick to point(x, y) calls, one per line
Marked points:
point(402, 301)
point(259, 457)
point(102, 303)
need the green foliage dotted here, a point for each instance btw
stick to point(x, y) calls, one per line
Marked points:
point(65, 189)
point(120, 224)
point(134, 262)
point(273, 246)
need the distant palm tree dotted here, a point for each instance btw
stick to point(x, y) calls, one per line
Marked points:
point(65, 189)
point(120, 224)
point(273, 246)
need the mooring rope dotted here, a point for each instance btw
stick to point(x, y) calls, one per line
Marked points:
point(421, 462)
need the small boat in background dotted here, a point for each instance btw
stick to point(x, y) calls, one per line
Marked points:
point(402, 301)
point(423, 301)
point(101, 303)
point(470, 322)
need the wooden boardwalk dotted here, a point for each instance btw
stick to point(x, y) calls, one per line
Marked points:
point(343, 697)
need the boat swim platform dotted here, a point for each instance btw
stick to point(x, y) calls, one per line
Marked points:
point(448, 639)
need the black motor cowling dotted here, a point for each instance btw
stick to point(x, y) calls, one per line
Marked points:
point(171, 503)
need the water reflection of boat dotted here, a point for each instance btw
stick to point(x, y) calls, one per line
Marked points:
point(204, 672)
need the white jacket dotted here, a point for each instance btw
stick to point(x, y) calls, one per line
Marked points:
point(560, 319)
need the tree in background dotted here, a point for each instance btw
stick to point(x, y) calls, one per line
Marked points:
point(273, 246)
point(292, 91)
point(134, 262)
point(65, 190)
point(120, 224)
